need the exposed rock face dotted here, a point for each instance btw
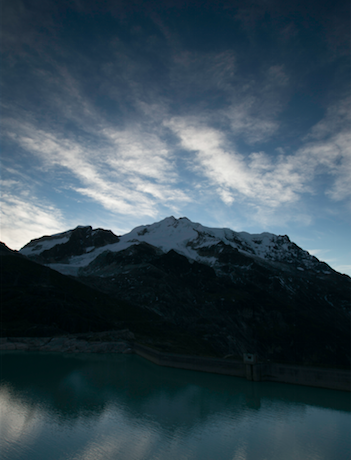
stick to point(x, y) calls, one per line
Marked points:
point(61, 247)
point(237, 292)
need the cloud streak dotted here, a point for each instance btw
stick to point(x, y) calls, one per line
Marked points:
point(262, 178)
point(132, 173)
point(136, 170)
point(25, 217)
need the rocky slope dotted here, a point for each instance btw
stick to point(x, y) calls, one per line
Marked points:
point(234, 291)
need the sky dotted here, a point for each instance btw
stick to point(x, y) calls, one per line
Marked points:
point(234, 114)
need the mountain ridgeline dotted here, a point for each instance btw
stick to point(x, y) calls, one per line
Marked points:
point(183, 287)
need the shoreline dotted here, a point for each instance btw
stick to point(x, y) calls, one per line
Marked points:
point(328, 378)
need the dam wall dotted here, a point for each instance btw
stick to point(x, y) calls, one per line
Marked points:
point(334, 379)
point(194, 363)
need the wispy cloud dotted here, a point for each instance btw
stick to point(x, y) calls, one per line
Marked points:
point(244, 122)
point(25, 217)
point(211, 86)
point(318, 252)
point(256, 177)
point(329, 145)
point(254, 105)
point(136, 170)
point(132, 173)
point(263, 178)
point(202, 72)
point(345, 268)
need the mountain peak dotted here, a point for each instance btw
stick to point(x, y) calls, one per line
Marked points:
point(80, 246)
point(171, 220)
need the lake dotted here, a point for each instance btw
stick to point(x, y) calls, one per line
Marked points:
point(102, 407)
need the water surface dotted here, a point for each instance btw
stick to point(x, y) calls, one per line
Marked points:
point(92, 407)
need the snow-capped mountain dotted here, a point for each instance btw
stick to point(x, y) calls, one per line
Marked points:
point(234, 291)
point(75, 249)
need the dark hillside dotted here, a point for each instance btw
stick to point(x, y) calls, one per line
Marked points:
point(283, 314)
point(37, 301)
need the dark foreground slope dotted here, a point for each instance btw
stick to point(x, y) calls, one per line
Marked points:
point(37, 301)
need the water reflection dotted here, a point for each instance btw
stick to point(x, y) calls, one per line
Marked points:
point(116, 406)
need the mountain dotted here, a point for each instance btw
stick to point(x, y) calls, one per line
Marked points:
point(235, 291)
point(68, 252)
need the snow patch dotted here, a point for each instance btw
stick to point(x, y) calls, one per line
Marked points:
point(42, 246)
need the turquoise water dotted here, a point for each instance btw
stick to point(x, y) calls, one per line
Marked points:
point(102, 407)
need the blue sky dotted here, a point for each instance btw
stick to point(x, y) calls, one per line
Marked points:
point(234, 114)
